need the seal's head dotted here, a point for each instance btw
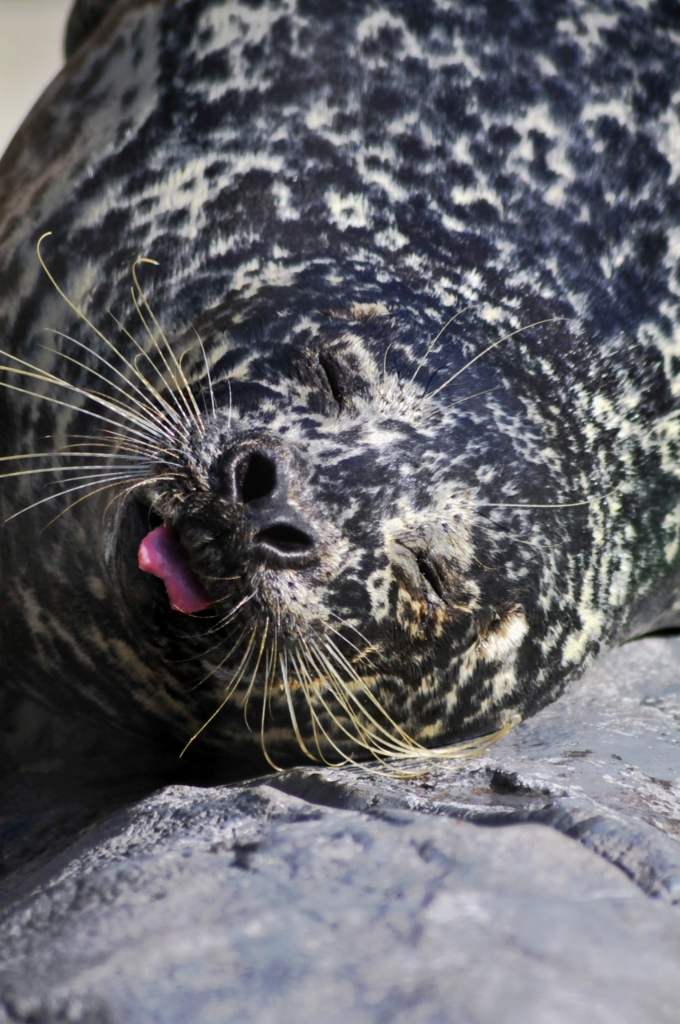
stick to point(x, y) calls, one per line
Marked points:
point(313, 547)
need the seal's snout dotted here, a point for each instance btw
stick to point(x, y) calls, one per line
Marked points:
point(280, 535)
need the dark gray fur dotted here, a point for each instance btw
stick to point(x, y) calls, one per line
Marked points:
point(86, 16)
point(325, 185)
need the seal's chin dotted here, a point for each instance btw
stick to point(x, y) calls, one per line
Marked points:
point(161, 554)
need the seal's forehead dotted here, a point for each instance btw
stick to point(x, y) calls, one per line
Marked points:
point(287, 153)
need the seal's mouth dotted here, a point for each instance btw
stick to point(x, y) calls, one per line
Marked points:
point(161, 554)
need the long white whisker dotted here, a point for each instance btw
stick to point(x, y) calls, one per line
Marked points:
point(125, 443)
point(151, 412)
point(553, 504)
point(186, 389)
point(182, 388)
point(310, 690)
point(64, 455)
point(231, 688)
point(434, 342)
point(307, 686)
point(60, 469)
point(172, 412)
point(477, 394)
point(402, 736)
point(71, 490)
point(226, 657)
point(283, 662)
point(230, 405)
point(146, 429)
point(176, 393)
point(366, 733)
point(495, 344)
point(204, 653)
point(84, 497)
point(362, 654)
point(207, 370)
point(76, 309)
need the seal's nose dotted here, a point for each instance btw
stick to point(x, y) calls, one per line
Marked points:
point(281, 536)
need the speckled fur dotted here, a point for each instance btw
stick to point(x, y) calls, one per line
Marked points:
point(325, 185)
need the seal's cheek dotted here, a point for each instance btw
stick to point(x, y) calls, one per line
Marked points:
point(419, 615)
point(502, 638)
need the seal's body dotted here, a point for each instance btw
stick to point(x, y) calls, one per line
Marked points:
point(373, 525)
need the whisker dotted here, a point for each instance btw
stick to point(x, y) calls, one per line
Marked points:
point(59, 469)
point(182, 389)
point(334, 652)
point(434, 342)
point(225, 620)
point(385, 354)
point(207, 371)
point(348, 625)
point(144, 433)
point(186, 390)
point(246, 696)
point(230, 405)
point(78, 311)
point(149, 412)
point(477, 394)
point(306, 684)
point(217, 667)
point(154, 392)
point(202, 655)
point(71, 490)
point(253, 676)
point(174, 388)
point(237, 607)
point(137, 483)
point(553, 504)
point(495, 344)
point(62, 455)
point(125, 444)
point(270, 666)
point(365, 733)
point(389, 745)
point(231, 688)
point(309, 690)
point(344, 757)
point(362, 654)
point(283, 662)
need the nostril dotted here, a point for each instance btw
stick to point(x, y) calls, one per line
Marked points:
point(259, 479)
point(285, 539)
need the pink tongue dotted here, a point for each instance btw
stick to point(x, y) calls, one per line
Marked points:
point(161, 554)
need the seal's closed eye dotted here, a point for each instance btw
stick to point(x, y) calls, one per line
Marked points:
point(344, 380)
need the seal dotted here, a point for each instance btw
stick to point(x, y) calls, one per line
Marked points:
point(347, 392)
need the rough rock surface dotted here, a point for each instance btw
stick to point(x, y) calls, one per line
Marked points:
point(535, 883)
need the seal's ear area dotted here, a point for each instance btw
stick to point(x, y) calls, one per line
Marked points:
point(85, 17)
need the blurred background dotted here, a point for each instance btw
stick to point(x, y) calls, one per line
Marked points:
point(31, 34)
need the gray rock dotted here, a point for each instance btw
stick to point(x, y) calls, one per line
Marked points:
point(534, 883)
